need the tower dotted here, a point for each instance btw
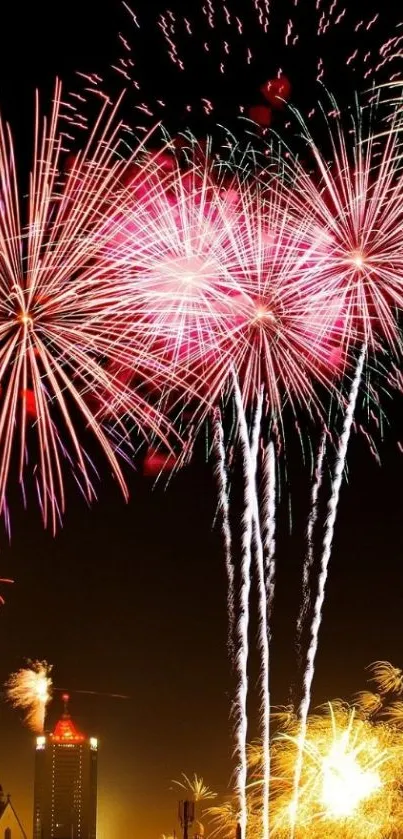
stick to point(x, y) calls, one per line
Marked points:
point(65, 792)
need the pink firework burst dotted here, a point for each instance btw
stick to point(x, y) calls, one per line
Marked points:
point(281, 326)
point(172, 242)
point(59, 335)
point(215, 278)
point(355, 198)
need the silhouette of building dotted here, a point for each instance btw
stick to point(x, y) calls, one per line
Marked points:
point(10, 825)
point(65, 792)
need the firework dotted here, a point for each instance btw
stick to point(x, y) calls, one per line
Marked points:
point(274, 284)
point(60, 344)
point(264, 549)
point(243, 292)
point(269, 518)
point(213, 270)
point(197, 788)
point(170, 241)
point(31, 690)
point(309, 539)
point(226, 59)
point(250, 517)
point(354, 196)
point(388, 679)
point(351, 774)
point(222, 482)
point(351, 770)
point(325, 559)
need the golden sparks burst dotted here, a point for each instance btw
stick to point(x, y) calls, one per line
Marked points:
point(30, 689)
point(198, 790)
point(351, 776)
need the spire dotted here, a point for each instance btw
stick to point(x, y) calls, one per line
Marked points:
point(65, 729)
point(66, 698)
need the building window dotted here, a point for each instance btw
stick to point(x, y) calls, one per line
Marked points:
point(7, 833)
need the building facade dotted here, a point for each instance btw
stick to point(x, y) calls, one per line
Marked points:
point(10, 825)
point(65, 791)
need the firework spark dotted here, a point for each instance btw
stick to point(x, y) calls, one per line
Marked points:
point(31, 690)
point(211, 56)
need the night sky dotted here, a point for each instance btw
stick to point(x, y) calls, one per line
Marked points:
point(131, 599)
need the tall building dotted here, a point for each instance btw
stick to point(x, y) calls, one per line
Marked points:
point(65, 792)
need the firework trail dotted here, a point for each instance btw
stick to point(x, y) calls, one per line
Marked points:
point(223, 495)
point(31, 689)
point(263, 638)
point(265, 574)
point(251, 533)
point(250, 519)
point(309, 542)
point(265, 685)
point(327, 548)
point(269, 503)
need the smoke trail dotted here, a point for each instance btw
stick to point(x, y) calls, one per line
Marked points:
point(306, 594)
point(223, 495)
point(327, 549)
point(249, 516)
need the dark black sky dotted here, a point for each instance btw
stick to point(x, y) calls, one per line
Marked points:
point(131, 598)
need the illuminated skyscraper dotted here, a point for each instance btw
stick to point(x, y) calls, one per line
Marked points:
point(65, 793)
